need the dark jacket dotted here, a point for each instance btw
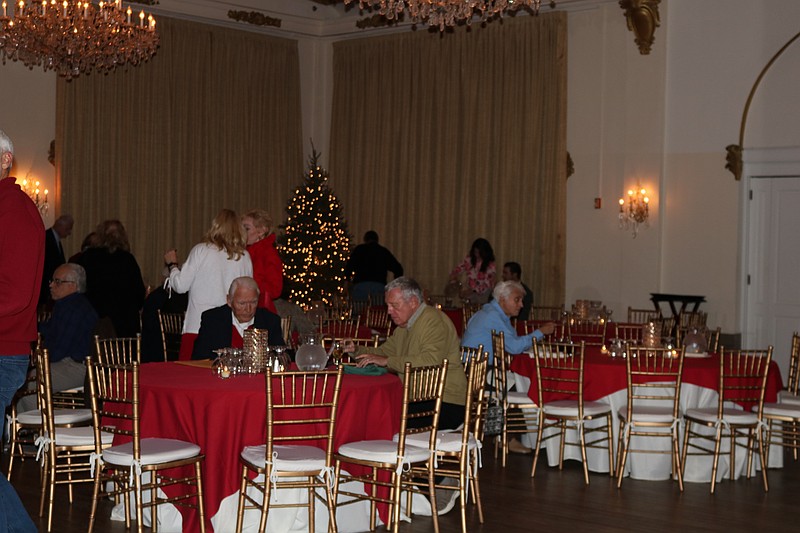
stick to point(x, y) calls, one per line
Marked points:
point(216, 330)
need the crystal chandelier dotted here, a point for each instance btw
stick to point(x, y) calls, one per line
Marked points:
point(636, 212)
point(39, 197)
point(73, 37)
point(444, 13)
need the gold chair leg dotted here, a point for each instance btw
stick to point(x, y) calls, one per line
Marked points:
point(198, 469)
point(717, 444)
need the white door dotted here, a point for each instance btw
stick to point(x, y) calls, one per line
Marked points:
point(773, 266)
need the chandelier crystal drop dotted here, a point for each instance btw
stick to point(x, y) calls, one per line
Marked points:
point(634, 212)
point(73, 37)
point(445, 13)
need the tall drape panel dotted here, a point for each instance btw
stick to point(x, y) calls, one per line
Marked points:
point(212, 121)
point(438, 139)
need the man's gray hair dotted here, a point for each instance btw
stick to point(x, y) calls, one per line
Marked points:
point(408, 287)
point(78, 275)
point(245, 282)
point(504, 289)
point(64, 220)
point(5, 143)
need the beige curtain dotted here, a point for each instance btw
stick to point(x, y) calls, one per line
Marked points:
point(212, 121)
point(440, 139)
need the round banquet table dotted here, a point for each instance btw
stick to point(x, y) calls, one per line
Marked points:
point(185, 400)
point(605, 380)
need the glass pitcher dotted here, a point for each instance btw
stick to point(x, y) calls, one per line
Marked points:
point(311, 355)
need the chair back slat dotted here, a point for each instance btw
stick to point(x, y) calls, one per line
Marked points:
point(423, 387)
point(591, 332)
point(743, 377)
point(475, 400)
point(302, 407)
point(115, 400)
point(631, 333)
point(469, 354)
point(794, 364)
point(543, 313)
point(654, 375)
point(559, 371)
point(119, 350)
point(171, 325)
point(642, 316)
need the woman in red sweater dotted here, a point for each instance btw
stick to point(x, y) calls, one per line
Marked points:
point(267, 265)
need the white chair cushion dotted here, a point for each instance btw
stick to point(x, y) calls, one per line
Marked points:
point(570, 408)
point(290, 458)
point(82, 436)
point(519, 397)
point(153, 452)
point(646, 413)
point(786, 410)
point(446, 441)
point(733, 416)
point(60, 416)
point(382, 451)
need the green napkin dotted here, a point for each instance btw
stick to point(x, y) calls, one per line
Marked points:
point(369, 370)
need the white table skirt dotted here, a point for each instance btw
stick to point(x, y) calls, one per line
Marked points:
point(649, 466)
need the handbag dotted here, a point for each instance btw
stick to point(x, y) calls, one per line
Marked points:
point(495, 417)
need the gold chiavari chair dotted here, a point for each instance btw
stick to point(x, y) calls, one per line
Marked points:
point(790, 395)
point(377, 318)
point(546, 313)
point(559, 373)
point(642, 316)
point(469, 354)
point(520, 412)
point(339, 327)
point(65, 450)
point(298, 449)
point(630, 333)
point(171, 330)
point(653, 406)
point(783, 418)
point(286, 330)
point(591, 332)
point(457, 452)
point(743, 379)
point(119, 350)
point(712, 338)
point(141, 464)
point(422, 401)
point(467, 311)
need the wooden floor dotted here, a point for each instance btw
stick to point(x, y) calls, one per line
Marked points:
point(554, 501)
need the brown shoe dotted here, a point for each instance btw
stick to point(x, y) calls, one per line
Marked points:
point(516, 446)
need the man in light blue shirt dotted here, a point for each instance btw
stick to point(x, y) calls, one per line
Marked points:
point(496, 315)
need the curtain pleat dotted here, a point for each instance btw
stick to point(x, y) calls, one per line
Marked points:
point(439, 139)
point(213, 120)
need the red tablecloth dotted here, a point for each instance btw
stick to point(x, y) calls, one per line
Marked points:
point(223, 416)
point(604, 375)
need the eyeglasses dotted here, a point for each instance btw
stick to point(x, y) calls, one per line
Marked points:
point(58, 282)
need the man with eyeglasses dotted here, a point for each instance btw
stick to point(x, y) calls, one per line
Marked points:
point(68, 334)
point(21, 262)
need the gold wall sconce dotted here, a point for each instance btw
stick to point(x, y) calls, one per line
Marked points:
point(636, 211)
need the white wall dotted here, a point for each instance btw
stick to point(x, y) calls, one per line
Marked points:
point(666, 119)
point(28, 116)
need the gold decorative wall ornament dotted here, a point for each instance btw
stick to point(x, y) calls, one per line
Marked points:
point(643, 19)
point(254, 17)
point(734, 151)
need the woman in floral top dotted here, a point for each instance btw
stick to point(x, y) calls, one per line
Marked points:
point(479, 269)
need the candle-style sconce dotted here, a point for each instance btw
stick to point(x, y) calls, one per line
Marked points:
point(635, 211)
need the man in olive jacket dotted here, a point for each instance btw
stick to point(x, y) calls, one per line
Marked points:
point(424, 336)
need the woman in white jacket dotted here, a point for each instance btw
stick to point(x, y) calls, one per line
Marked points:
point(208, 272)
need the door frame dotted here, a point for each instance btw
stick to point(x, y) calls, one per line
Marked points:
point(758, 163)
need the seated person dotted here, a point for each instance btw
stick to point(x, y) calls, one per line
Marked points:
point(496, 315)
point(69, 332)
point(224, 326)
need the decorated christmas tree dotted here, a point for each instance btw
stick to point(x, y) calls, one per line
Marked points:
point(316, 244)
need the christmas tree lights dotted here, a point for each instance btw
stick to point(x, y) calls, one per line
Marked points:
point(317, 243)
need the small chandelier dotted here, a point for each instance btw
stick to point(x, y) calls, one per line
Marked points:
point(39, 197)
point(444, 13)
point(636, 211)
point(73, 37)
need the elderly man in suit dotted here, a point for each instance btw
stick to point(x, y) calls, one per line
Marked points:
point(54, 252)
point(224, 326)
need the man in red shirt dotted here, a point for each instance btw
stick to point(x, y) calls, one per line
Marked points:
point(21, 262)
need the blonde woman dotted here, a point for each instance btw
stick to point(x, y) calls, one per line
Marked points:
point(208, 272)
point(267, 264)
